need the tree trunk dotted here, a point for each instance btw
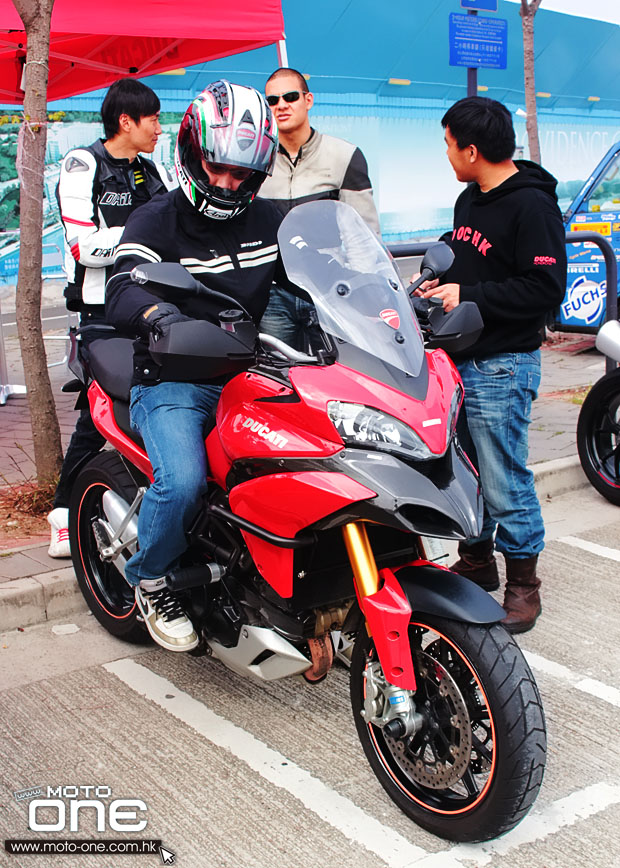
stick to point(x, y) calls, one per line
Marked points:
point(527, 12)
point(36, 15)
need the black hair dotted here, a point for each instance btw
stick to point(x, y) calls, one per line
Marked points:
point(127, 97)
point(485, 123)
point(285, 70)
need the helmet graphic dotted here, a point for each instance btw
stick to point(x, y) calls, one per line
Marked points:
point(229, 125)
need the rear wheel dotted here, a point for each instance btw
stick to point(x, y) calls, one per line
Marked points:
point(473, 767)
point(598, 436)
point(108, 595)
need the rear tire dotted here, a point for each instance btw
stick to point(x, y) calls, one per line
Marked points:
point(474, 768)
point(108, 595)
point(598, 436)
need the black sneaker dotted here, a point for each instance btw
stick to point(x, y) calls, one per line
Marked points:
point(164, 616)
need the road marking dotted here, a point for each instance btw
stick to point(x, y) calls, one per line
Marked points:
point(538, 825)
point(593, 548)
point(344, 816)
point(578, 682)
point(358, 826)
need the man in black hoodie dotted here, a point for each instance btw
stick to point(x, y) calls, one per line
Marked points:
point(510, 258)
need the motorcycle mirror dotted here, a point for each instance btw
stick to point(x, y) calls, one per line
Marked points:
point(174, 276)
point(165, 273)
point(459, 329)
point(437, 260)
point(608, 339)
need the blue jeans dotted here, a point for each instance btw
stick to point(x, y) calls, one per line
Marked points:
point(499, 391)
point(291, 319)
point(171, 419)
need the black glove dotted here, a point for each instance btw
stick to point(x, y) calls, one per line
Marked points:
point(155, 319)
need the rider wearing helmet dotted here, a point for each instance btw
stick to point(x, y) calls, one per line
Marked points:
point(212, 225)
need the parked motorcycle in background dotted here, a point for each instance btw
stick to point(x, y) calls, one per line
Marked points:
point(598, 425)
point(328, 472)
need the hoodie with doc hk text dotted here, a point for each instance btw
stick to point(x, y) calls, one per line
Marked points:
point(510, 258)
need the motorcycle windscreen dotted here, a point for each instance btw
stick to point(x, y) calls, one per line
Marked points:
point(330, 252)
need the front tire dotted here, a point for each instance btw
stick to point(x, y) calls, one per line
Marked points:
point(108, 595)
point(474, 768)
point(598, 436)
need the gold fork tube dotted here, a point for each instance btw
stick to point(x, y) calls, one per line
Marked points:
point(365, 572)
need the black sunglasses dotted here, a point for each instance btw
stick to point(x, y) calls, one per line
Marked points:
point(290, 96)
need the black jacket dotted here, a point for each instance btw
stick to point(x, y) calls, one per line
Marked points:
point(238, 257)
point(510, 258)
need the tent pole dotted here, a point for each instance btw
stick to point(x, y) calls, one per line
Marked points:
point(282, 53)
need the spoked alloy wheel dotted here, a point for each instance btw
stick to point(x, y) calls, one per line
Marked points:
point(473, 768)
point(104, 588)
point(598, 436)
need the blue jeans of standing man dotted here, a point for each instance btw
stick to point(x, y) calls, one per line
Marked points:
point(499, 391)
point(291, 319)
point(171, 419)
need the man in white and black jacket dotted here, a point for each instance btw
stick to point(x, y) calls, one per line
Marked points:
point(99, 187)
point(225, 149)
point(510, 259)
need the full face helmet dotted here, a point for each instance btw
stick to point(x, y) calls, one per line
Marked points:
point(229, 125)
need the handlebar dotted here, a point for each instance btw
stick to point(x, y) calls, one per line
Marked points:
point(285, 350)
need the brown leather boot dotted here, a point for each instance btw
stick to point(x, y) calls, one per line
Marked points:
point(522, 600)
point(477, 562)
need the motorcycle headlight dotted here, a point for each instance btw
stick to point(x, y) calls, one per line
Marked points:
point(360, 425)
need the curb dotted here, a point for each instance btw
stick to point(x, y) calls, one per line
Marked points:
point(55, 594)
point(36, 599)
point(558, 476)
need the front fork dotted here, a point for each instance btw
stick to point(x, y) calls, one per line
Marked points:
point(385, 607)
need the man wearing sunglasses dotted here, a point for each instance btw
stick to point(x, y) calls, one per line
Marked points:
point(309, 165)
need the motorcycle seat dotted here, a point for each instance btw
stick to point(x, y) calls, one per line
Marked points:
point(111, 364)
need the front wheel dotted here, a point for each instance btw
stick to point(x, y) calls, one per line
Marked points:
point(598, 436)
point(104, 588)
point(473, 767)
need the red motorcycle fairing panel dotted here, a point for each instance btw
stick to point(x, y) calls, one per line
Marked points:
point(103, 417)
point(253, 428)
point(284, 503)
point(428, 417)
point(218, 462)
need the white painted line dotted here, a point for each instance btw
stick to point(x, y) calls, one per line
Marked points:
point(539, 824)
point(563, 673)
point(339, 812)
point(593, 548)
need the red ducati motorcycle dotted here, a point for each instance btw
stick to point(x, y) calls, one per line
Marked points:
point(328, 471)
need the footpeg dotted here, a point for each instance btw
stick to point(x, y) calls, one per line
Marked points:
point(194, 577)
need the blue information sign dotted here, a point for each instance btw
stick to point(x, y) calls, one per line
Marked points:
point(485, 5)
point(477, 41)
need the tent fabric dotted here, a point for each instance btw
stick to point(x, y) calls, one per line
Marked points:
point(361, 48)
point(93, 45)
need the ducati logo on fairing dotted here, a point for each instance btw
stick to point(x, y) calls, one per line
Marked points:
point(265, 432)
point(391, 317)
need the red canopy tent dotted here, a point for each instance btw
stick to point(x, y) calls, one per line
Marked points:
point(92, 46)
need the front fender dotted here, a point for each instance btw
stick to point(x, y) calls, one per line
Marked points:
point(433, 590)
